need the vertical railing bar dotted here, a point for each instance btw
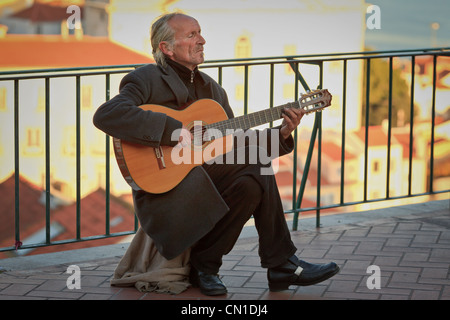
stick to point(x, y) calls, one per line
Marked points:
point(389, 133)
point(433, 116)
point(309, 154)
point(136, 222)
point(411, 125)
point(220, 75)
point(319, 153)
point(294, 153)
point(107, 164)
point(246, 89)
point(78, 156)
point(272, 84)
point(16, 165)
point(319, 167)
point(47, 160)
point(366, 144)
point(344, 102)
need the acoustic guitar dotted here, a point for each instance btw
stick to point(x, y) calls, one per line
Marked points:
point(158, 170)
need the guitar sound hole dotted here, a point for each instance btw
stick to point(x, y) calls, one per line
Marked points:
point(198, 135)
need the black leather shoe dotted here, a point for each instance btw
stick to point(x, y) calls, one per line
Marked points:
point(209, 284)
point(300, 273)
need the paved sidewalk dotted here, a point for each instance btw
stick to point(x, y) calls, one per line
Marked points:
point(409, 244)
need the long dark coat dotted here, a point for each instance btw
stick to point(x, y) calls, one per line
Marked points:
point(180, 217)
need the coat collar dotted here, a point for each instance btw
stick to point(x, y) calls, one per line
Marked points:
point(179, 89)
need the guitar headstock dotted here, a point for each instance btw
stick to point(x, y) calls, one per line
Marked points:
point(315, 100)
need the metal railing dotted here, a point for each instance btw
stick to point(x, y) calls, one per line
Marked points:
point(316, 133)
point(220, 66)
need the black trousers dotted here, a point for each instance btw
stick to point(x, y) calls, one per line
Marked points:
point(246, 193)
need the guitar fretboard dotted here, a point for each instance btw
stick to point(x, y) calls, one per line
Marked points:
point(253, 119)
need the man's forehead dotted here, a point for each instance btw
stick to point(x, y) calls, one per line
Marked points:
point(183, 22)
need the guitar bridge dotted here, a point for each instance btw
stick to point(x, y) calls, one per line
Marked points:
point(160, 157)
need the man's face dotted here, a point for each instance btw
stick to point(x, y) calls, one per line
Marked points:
point(188, 46)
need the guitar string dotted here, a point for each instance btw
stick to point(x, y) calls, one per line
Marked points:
point(254, 119)
point(245, 122)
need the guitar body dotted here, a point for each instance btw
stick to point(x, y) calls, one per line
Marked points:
point(158, 170)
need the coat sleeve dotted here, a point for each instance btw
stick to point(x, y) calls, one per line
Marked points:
point(122, 118)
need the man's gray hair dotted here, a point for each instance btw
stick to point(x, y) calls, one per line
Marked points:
point(162, 31)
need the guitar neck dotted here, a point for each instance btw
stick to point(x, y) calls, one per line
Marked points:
point(310, 102)
point(253, 119)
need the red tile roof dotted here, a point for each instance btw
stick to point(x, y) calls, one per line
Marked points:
point(333, 151)
point(33, 212)
point(53, 51)
point(92, 221)
point(32, 217)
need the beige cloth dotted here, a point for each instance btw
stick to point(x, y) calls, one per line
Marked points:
point(145, 268)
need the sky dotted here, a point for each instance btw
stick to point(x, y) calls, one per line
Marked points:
point(406, 24)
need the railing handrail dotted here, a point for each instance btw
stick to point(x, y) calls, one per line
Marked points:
point(71, 71)
point(341, 55)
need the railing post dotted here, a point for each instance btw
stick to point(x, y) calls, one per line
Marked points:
point(298, 202)
point(107, 164)
point(389, 133)
point(47, 161)
point(317, 125)
point(78, 156)
point(16, 166)
point(366, 133)
point(411, 124)
point(433, 121)
point(344, 101)
point(272, 84)
point(294, 67)
point(319, 151)
point(246, 89)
